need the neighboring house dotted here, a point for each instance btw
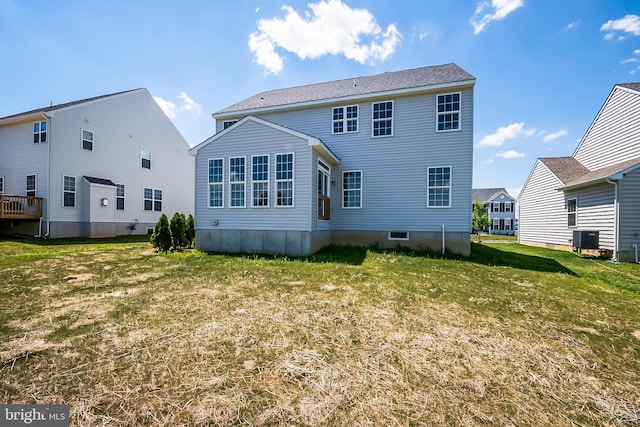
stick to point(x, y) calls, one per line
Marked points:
point(383, 159)
point(597, 189)
point(103, 166)
point(501, 208)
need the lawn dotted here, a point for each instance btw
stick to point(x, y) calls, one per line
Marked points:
point(513, 335)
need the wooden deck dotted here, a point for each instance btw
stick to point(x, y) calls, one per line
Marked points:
point(20, 207)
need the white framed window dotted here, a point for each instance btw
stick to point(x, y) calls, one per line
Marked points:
point(448, 111)
point(157, 200)
point(120, 197)
point(572, 212)
point(1, 184)
point(284, 180)
point(147, 196)
point(145, 158)
point(260, 181)
point(31, 185)
point(228, 123)
point(352, 189)
point(507, 206)
point(439, 187)
point(216, 180)
point(68, 191)
point(496, 223)
point(237, 186)
point(87, 140)
point(398, 235)
point(507, 223)
point(345, 119)
point(382, 119)
point(39, 132)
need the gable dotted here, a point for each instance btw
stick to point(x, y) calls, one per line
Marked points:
point(614, 134)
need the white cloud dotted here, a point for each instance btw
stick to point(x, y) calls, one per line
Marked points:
point(504, 134)
point(171, 109)
point(514, 191)
point(554, 135)
point(330, 28)
point(498, 9)
point(626, 61)
point(510, 154)
point(636, 52)
point(572, 25)
point(168, 107)
point(628, 24)
point(190, 104)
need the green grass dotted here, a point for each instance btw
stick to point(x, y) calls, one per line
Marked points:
point(513, 335)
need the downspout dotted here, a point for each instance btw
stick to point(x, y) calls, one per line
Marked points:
point(45, 117)
point(635, 247)
point(443, 246)
point(616, 217)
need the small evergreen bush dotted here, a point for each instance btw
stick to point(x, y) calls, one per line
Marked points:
point(191, 230)
point(161, 237)
point(178, 228)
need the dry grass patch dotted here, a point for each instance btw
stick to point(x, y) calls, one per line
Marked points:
point(396, 340)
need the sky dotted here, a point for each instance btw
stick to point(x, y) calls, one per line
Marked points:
point(544, 68)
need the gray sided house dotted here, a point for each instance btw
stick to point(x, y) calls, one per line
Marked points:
point(383, 159)
point(501, 208)
point(597, 189)
point(97, 167)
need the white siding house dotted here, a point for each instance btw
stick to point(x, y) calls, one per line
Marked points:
point(103, 166)
point(597, 189)
point(501, 209)
point(384, 159)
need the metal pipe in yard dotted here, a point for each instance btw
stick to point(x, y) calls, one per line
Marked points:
point(635, 247)
point(443, 240)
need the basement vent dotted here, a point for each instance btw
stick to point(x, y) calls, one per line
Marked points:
point(398, 235)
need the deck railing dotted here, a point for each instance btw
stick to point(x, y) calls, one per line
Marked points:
point(20, 207)
point(324, 207)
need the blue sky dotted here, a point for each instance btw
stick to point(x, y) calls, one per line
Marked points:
point(544, 68)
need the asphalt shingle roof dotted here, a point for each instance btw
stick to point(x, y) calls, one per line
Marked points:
point(364, 85)
point(634, 86)
point(606, 172)
point(102, 181)
point(567, 169)
point(486, 194)
point(65, 105)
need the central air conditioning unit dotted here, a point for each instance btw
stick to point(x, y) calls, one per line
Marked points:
point(586, 239)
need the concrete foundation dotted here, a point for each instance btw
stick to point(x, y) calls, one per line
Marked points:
point(302, 243)
point(72, 229)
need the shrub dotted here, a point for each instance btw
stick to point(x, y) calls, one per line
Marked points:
point(191, 230)
point(161, 237)
point(178, 228)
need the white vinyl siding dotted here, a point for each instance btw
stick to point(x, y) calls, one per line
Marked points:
point(216, 183)
point(616, 129)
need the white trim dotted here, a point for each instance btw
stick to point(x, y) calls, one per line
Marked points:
point(575, 213)
point(39, 133)
point(144, 199)
point(267, 182)
point(82, 139)
point(450, 186)
point(75, 191)
point(145, 158)
point(35, 184)
point(292, 180)
point(243, 183)
point(209, 184)
point(459, 111)
point(361, 189)
point(123, 197)
point(345, 120)
point(373, 120)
